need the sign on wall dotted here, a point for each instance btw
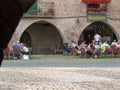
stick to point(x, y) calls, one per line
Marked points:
point(96, 17)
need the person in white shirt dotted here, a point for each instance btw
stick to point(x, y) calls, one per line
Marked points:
point(114, 43)
point(25, 52)
point(97, 37)
point(97, 49)
point(106, 44)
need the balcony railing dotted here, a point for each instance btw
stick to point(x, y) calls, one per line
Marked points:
point(103, 9)
point(41, 9)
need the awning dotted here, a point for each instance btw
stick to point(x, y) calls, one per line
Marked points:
point(96, 1)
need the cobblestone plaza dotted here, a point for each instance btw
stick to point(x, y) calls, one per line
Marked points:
point(59, 74)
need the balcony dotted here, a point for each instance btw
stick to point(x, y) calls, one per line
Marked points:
point(41, 9)
point(97, 10)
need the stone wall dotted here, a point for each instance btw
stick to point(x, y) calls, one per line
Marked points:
point(70, 19)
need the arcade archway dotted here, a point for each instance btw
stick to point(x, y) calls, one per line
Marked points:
point(26, 38)
point(103, 29)
point(43, 37)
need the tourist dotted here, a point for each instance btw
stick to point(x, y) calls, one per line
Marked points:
point(97, 50)
point(25, 52)
point(16, 51)
point(97, 37)
point(114, 43)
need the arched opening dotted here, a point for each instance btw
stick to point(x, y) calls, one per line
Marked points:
point(26, 38)
point(45, 37)
point(103, 29)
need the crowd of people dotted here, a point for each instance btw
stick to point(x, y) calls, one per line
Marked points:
point(17, 51)
point(96, 48)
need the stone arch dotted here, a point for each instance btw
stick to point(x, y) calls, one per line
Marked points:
point(98, 27)
point(43, 22)
point(26, 38)
point(25, 23)
point(112, 28)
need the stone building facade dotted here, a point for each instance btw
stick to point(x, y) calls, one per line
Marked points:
point(68, 23)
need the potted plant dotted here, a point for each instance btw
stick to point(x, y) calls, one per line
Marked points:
point(50, 11)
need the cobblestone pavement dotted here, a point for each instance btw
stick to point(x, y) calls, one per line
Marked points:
point(64, 78)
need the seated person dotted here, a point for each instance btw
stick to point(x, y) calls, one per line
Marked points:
point(109, 50)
